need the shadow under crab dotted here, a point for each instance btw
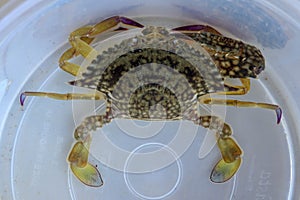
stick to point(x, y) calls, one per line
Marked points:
point(178, 69)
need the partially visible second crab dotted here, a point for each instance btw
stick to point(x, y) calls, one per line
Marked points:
point(159, 74)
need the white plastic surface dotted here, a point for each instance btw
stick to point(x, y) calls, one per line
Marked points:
point(35, 140)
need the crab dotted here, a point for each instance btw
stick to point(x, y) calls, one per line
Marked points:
point(177, 69)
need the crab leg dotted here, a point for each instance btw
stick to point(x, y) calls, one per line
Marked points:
point(66, 96)
point(78, 156)
point(196, 29)
point(231, 153)
point(237, 103)
point(237, 89)
point(82, 37)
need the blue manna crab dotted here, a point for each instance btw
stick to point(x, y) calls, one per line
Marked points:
point(179, 69)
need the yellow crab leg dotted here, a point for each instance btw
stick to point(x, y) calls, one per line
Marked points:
point(84, 171)
point(88, 175)
point(229, 149)
point(81, 168)
point(237, 89)
point(237, 103)
point(79, 153)
point(69, 67)
point(67, 96)
point(223, 171)
point(230, 162)
point(82, 37)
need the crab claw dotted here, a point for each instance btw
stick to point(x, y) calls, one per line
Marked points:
point(223, 171)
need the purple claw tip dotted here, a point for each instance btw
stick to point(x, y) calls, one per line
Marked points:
point(130, 22)
point(279, 114)
point(190, 28)
point(22, 98)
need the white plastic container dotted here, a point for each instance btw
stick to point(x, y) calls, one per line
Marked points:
point(35, 140)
